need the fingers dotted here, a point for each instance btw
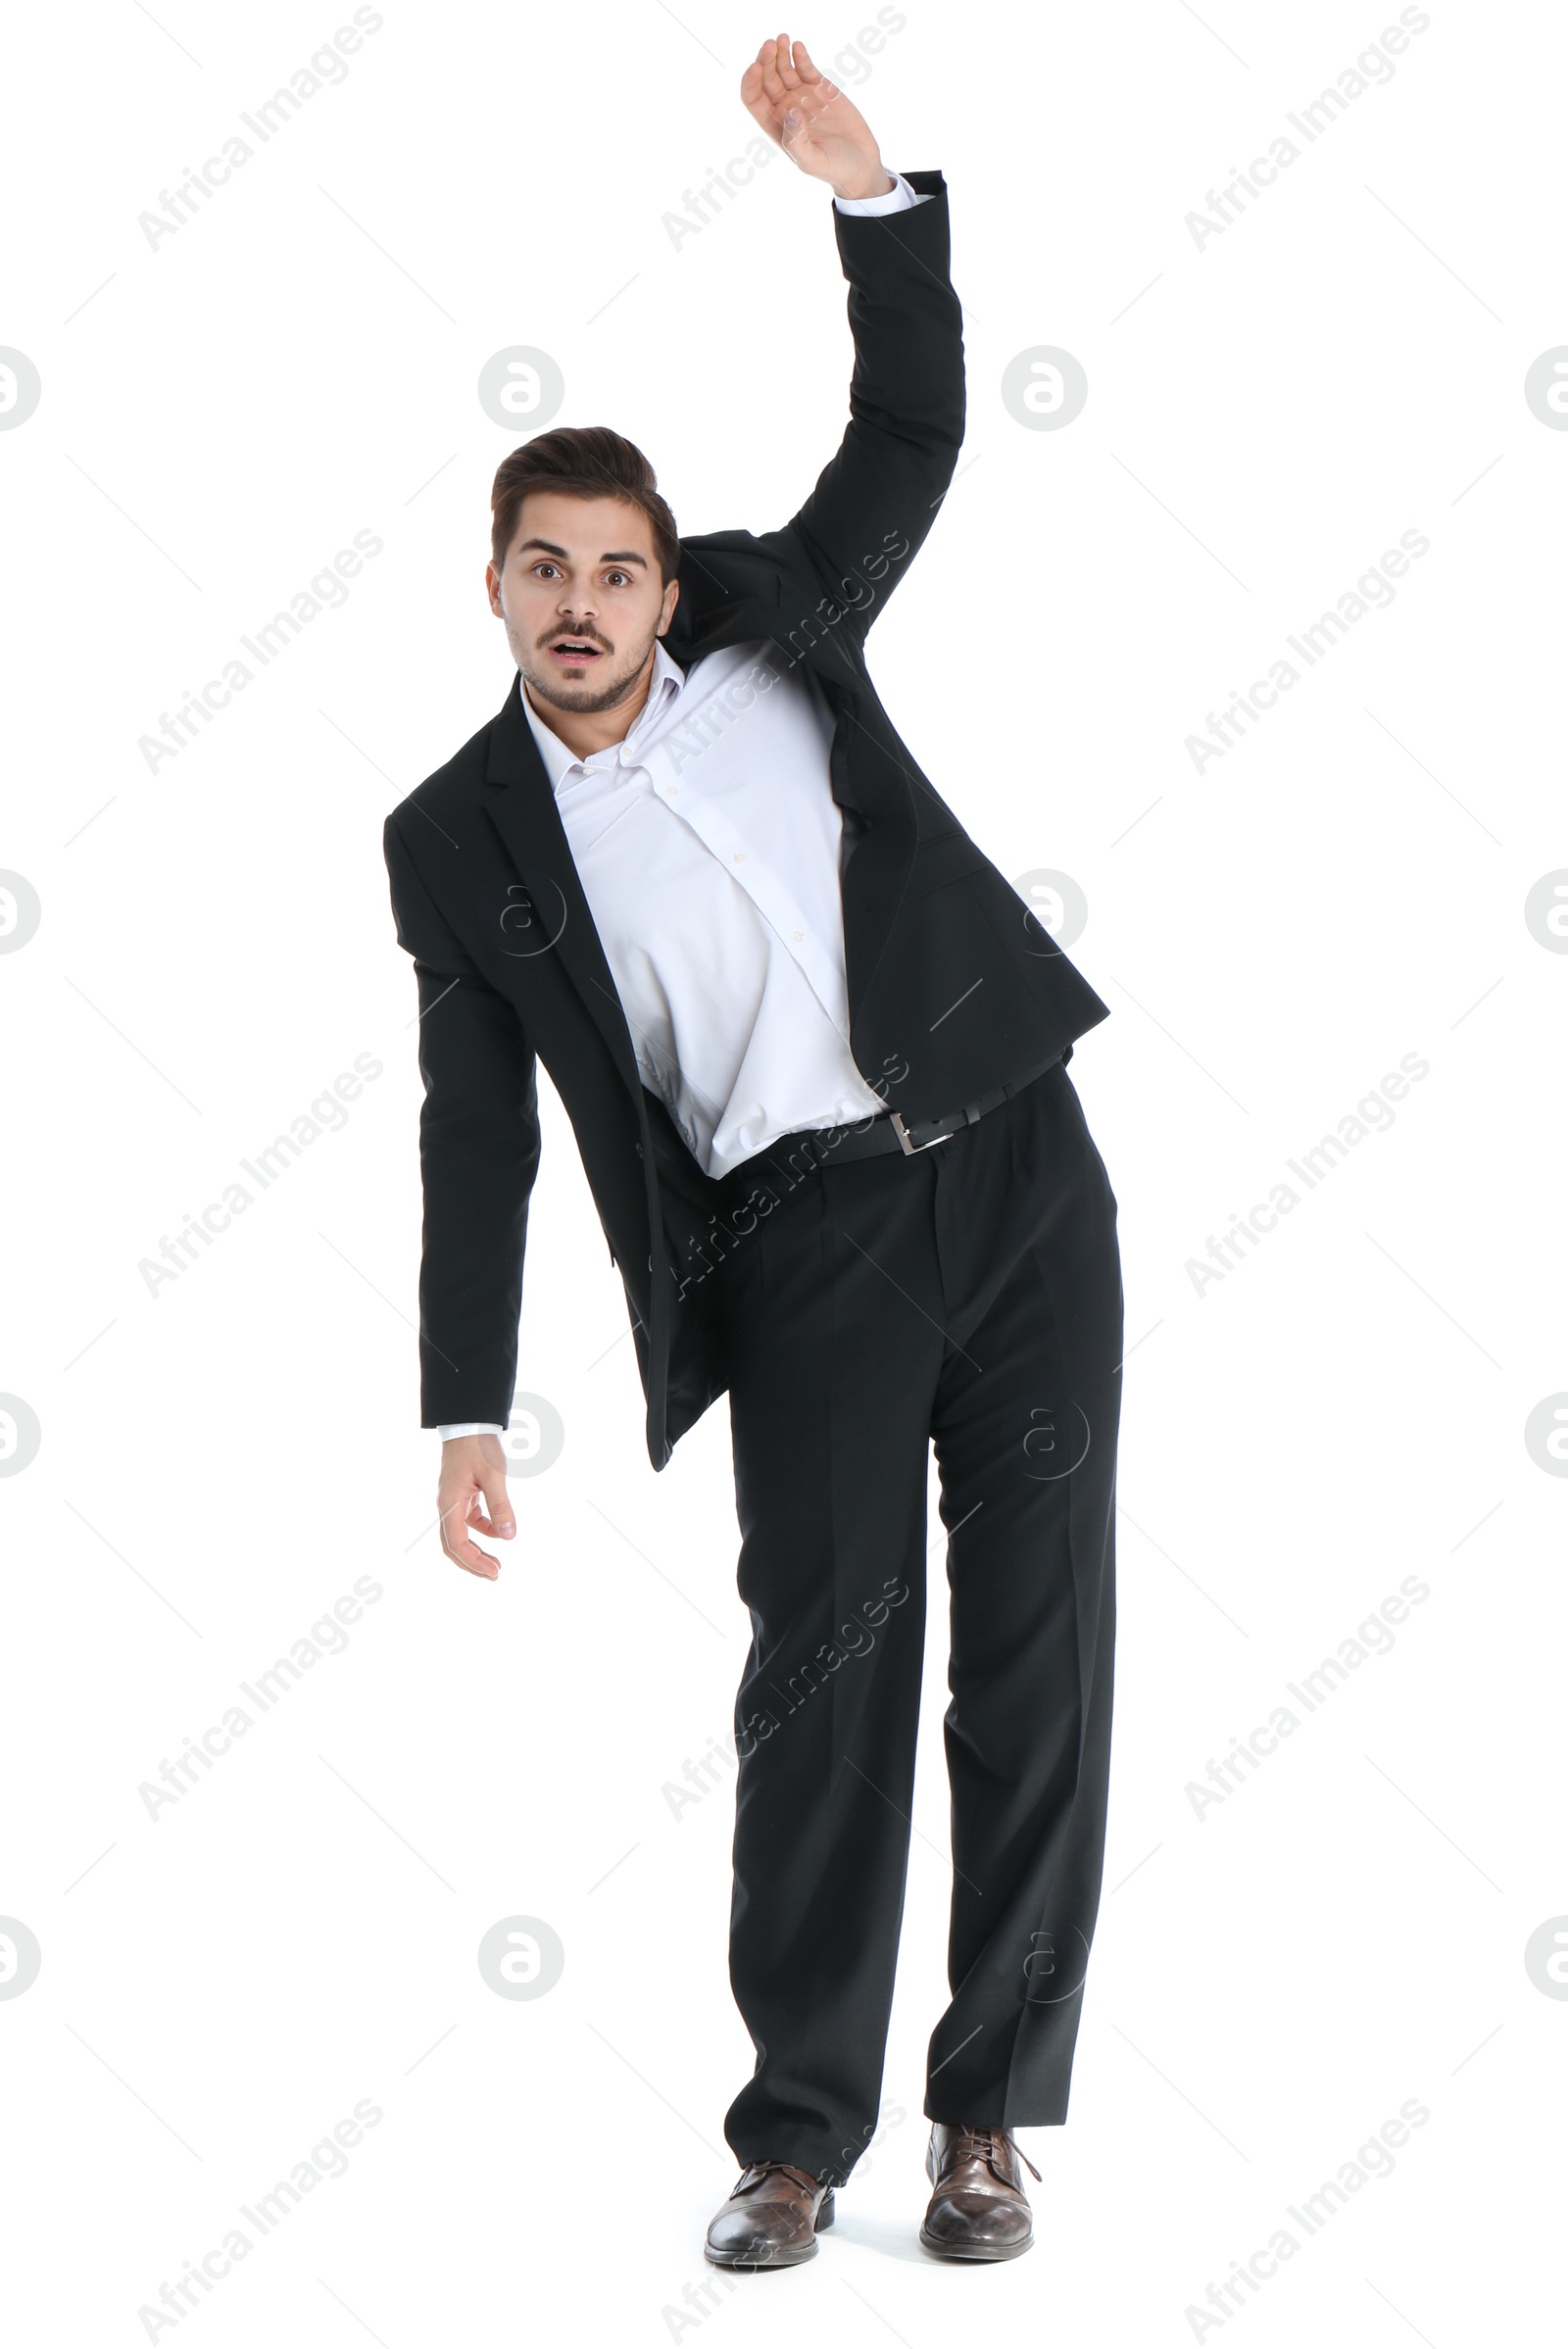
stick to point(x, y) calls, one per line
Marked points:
point(464, 1552)
point(761, 104)
point(782, 81)
point(779, 78)
point(493, 1485)
point(767, 70)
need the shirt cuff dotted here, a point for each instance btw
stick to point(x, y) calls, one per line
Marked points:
point(470, 1427)
point(899, 198)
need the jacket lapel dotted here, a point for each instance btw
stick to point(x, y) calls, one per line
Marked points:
point(880, 850)
point(552, 915)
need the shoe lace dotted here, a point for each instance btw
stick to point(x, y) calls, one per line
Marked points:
point(758, 2170)
point(991, 2146)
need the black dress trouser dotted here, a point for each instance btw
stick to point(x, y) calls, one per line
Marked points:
point(969, 1295)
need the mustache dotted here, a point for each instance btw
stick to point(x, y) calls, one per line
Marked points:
point(587, 636)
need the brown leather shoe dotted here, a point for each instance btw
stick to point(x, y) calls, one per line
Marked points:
point(979, 2208)
point(772, 2220)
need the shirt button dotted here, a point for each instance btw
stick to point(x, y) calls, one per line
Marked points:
point(740, 855)
point(797, 935)
point(673, 791)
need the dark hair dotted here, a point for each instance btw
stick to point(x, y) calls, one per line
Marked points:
point(586, 461)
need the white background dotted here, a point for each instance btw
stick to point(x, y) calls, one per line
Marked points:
point(220, 1461)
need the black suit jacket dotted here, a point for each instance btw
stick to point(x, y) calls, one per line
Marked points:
point(953, 988)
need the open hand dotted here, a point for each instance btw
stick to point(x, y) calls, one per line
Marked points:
point(810, 117)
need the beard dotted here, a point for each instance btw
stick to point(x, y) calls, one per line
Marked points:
point(576, 694)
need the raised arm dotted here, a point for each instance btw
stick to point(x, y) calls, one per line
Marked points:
point(877, 498)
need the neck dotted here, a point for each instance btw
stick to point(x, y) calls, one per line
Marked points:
point(584, 731)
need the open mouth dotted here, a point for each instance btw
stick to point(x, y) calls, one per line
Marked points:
point(574, 652)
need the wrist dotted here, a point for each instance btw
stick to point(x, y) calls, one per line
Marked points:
point(874, 180)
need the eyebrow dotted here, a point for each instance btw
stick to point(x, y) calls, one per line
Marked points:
point(623, 555)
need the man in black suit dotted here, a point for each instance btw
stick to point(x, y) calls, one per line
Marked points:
point(812, 1046)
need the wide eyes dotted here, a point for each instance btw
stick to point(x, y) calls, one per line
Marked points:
point(613, 578)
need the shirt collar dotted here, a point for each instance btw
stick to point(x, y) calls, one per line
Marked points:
point(560, 760)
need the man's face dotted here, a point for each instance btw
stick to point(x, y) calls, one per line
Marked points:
point(581, 597)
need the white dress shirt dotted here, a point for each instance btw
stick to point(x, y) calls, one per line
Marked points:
point(707, 846)
point(707, 843)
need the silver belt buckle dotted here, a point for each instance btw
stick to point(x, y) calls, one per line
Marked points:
point(911, 1148)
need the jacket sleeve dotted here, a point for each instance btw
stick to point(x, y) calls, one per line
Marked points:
point(874, 502)
point(478, 1156)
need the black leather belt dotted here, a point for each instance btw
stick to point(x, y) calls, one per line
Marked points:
point(788, 1160)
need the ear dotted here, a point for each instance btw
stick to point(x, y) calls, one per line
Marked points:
point(492, 581)
point(667, 610)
